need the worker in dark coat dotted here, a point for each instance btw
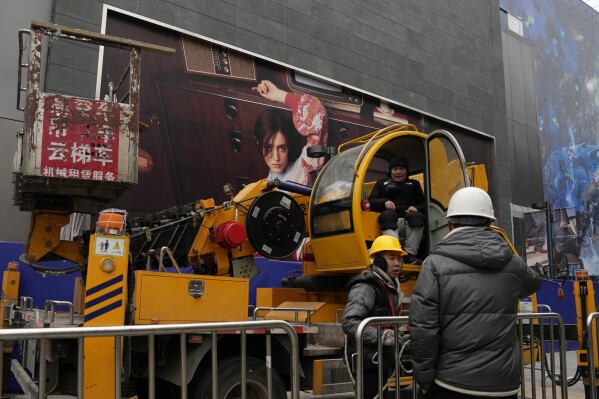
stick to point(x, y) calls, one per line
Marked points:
point(401, 203)
point(464, 340)
point(375, 292)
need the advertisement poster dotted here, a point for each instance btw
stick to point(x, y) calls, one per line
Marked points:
point(214, 115)
point(563, 38)
point(79, 149)
point(535, 226)
point(565, 243)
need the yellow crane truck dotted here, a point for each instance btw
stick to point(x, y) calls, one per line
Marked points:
point(131, 269)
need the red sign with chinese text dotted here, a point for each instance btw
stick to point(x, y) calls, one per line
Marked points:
point(80, 139)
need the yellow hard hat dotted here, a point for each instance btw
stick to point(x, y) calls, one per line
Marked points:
point(386, 243)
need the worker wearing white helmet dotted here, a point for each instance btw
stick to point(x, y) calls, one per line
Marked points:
point(464, 342)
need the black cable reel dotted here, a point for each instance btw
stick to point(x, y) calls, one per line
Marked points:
point(275, 225)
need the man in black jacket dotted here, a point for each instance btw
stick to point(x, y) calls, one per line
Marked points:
point(375, 292)
point(401, 203)
point(464, 340)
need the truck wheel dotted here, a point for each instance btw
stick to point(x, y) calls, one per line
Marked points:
point(229, 381)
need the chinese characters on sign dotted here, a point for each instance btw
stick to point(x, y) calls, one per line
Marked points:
point(80, 139)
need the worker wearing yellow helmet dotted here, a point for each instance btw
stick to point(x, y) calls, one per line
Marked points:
point(375, 292)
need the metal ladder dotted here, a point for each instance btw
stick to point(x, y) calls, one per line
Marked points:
point(22, 33)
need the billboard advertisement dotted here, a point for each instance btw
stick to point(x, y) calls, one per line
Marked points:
point(563, 37)
point(535, 227)
point(565, 241)
point(214, 114)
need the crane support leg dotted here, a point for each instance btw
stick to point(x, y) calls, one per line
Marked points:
point(44, 238)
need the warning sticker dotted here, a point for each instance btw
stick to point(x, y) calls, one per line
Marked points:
point(110, 246)
point(286, 202)
point(525, 307)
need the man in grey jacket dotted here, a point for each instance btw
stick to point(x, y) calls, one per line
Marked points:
point(464, 341)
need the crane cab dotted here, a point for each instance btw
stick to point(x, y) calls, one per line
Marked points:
point(341, 232)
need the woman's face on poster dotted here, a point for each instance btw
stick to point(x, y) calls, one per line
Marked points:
point(276, 153)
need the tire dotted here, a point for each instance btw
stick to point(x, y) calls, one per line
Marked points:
point(229, 381)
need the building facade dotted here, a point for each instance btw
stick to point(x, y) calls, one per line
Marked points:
point(441, 59)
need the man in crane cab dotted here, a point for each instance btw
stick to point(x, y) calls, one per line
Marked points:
point(375, 292)
point(401, 203)
point(464, 338)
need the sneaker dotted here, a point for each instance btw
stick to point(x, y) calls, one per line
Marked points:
point(411, 259)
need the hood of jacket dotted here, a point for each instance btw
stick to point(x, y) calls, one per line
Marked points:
point(478, 247)
point(391, 283)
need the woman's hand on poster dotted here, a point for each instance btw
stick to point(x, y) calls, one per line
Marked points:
point(270, 91)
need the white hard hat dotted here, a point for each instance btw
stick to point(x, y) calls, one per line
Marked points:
point(470, 201)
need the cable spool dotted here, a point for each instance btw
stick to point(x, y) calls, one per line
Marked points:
point(275, 225)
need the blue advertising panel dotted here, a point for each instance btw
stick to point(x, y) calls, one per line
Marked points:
point(563, 36)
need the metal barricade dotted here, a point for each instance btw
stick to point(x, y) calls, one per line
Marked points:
point(534, 340)
point(591, 334)
point(45, 334)
point(392, 322)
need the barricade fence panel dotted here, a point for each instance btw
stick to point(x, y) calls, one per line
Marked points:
point(265, 328)
point(592, 347)
point(382, 324)
point(541, 369)
point(539, 346)
point(538, 353)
